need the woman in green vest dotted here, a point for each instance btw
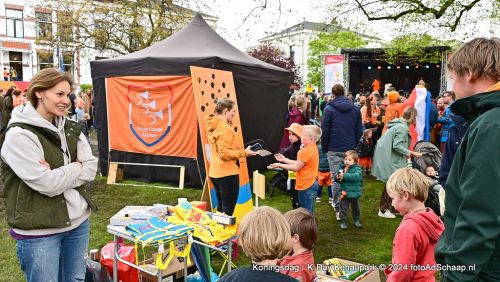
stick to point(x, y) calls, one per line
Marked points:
point(46, 160)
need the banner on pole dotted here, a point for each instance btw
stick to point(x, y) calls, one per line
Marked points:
point(334, 71)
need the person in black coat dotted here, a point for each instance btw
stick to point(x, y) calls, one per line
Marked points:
point(455, 135)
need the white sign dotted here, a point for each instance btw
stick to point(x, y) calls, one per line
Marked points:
point(334, 71)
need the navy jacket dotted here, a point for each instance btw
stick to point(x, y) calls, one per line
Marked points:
point(455, 135)
point(342, 128)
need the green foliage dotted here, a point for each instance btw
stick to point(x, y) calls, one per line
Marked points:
point(411, 48)
point(85, 87)
point(495, 13)
point(460, 16)
point(328, 43)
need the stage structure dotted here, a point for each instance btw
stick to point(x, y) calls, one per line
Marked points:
point(362, 65)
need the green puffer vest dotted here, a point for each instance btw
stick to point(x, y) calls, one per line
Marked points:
point(28, 209)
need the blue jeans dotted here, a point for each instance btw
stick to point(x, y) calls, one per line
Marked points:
point(335, 159)
point(59, 257)
point(328, 188)
point(307, 197)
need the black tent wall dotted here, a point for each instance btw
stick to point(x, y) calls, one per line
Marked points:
point(262, 102)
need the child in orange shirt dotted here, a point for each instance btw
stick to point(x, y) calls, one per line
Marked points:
point(304, 231)
point(306, 166)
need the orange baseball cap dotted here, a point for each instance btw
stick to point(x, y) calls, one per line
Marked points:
point(296, 129)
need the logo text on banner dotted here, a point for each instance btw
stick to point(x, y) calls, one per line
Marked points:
point(152, 115)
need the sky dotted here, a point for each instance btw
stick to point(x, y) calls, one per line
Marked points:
point(262, 22)
point(244, 34)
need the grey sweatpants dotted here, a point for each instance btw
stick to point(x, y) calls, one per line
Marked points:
point(335, 160)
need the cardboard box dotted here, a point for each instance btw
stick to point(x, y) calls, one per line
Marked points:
point(371, 276)
point(175, 269)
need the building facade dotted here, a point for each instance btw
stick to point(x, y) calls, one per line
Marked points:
point(295, 41)
point(27, 32)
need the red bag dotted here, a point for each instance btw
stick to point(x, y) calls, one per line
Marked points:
point(125, 252)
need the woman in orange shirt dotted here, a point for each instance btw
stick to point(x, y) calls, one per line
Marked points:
point(225, 153)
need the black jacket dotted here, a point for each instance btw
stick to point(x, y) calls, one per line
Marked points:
point(292, 150)
point(365, 149)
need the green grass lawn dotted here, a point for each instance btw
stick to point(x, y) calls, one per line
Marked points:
point(372, 244)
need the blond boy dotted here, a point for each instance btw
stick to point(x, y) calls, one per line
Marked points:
point(304, 232)
point(417, 235)
point(306, 166)
point(264, 236)
point(472, 236)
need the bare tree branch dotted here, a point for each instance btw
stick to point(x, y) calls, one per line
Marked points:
point(460, 14)
point(454, 10)
point(261, 7)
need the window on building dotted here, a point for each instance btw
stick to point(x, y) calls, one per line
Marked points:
point(292, 53)
point(68, 63)
point(43, 25)
point(15, 23)
point(45, 60)
point(64, 27)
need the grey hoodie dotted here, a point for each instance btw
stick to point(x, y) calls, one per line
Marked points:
point(22, 151)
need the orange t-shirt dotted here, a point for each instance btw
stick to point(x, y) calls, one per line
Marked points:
point(393, 111)
point(376, 85)
point(309, 172)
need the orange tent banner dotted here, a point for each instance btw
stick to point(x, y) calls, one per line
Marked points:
point(152, 115)
point(23, 85)
point(209, 86)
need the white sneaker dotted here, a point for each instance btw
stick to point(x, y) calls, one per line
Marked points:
point(389, 214)
point(337, 215)
point(318, 200)
point(386, 214)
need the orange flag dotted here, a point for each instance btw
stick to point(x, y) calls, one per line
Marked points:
point(152, 115)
